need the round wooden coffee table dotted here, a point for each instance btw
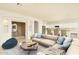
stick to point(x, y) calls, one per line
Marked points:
point(29, 46)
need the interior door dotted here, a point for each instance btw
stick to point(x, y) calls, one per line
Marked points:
point(18, 29)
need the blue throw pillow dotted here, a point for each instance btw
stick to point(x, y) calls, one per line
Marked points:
point(60, 40)
point(38, 35)
point(66, 43)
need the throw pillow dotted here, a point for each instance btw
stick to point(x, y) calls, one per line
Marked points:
point(38, 35)
point(60, 40)
point(66, 43)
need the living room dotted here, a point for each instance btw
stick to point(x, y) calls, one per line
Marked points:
point(38, 18)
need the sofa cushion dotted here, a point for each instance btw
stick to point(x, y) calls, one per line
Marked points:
point(50, 37)
point(47, 36)
point(47, 42)
point(10, 43)
point(60, 40)
point(44, 42)
point(36, 39)
point(55, 38)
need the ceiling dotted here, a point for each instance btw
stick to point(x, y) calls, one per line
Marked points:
point(51, 12)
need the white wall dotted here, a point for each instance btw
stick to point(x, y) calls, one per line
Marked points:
point(6, 27)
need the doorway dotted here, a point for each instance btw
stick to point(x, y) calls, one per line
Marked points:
point(43, 29)
point(36, 27)
point(18, 30)
point(63, 32)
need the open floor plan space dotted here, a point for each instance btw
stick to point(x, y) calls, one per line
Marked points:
point(39, 28)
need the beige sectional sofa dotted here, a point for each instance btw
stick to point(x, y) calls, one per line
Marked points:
point(50, 41)
point(47, 40)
